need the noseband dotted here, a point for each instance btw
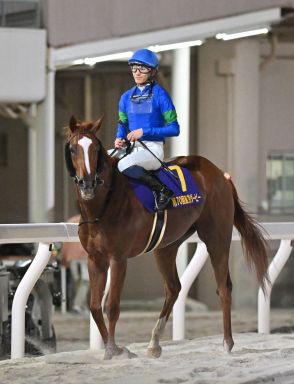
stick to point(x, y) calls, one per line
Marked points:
point(71, 169)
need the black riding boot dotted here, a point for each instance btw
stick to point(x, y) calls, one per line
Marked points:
point(162, 192)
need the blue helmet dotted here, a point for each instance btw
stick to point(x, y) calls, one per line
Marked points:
point(145, 57)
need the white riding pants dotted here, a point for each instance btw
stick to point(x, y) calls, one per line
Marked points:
point(142, 157)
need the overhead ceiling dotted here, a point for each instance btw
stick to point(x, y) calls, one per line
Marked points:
point(64, 56)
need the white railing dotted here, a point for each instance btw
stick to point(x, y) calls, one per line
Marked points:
point(283, 231)
point(44, 234)
point(68, 232)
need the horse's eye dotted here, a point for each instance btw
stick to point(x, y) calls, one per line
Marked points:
point(72, 150)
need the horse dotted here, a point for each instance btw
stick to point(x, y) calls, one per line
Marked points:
point(115, 226)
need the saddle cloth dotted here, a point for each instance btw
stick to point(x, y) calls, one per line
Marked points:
point(185, 190)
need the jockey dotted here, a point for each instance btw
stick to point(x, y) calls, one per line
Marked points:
point(146, 113)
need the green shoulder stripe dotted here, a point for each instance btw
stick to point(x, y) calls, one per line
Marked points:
point(123, 117)
point(170, 116)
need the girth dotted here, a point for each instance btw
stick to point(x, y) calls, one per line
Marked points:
point(157, 232)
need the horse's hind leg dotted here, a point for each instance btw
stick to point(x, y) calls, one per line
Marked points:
point(224, 290)
point(218, 246)
point(166, 262)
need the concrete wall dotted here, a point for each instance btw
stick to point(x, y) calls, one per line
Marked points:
point(228, 135)
point(23, 61)
point(229, 110)
point(244, 113)
point(13, 172)
point(69, 21)
point(212, 102)
point(276, 112)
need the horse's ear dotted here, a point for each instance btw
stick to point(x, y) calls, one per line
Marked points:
point(73, 124)
point(97, 124)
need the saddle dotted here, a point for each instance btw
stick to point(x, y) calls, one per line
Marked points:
point(176, 178)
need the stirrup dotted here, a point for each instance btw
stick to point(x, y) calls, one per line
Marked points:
point(165, 196)
point(162, 206)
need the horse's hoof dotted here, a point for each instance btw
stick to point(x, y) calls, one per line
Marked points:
point(112, 351)
point(107, 355)
point(118, 351)
point(154, 352)
point(228, 346)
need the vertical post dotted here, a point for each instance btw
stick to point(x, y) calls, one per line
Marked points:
point(63, 290)
point(42, 158)
point(180, 145)
point(187, 279)
point(246, 119)
point(49, 145)
point(88, 97)
point(20, 299)
point(32, 172)
point(264, 298)
point(181, 99)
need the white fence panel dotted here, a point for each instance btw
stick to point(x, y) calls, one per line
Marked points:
point(283, 231)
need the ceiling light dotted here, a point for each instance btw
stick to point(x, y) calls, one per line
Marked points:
point(126, 55)
point(168, 47)
point(112, 57)
point(99, 59)
point(78, 62)
point(239, 35)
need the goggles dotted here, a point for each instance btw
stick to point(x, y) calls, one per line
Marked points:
point(141, 68)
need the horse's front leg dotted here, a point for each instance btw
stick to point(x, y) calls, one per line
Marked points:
point(117, 277)
point(98, 277)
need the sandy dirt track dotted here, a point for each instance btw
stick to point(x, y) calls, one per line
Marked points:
point(201, 360)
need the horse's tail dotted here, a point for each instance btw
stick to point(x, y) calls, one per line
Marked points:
point(252, 240)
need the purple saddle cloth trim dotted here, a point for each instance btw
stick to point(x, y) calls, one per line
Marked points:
point(185, 190)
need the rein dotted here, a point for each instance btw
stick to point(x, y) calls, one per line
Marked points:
point(107, 200)
point(164, 166)
point(129, 149)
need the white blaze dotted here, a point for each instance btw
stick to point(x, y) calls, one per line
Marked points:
point(85, 143)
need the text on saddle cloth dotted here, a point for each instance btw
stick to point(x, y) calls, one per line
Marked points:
point(186, 191)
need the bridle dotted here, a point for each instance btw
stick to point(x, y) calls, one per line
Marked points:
point(82, 183)
point(97, 179)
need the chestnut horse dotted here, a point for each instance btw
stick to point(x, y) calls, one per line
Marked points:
point(115, 226)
